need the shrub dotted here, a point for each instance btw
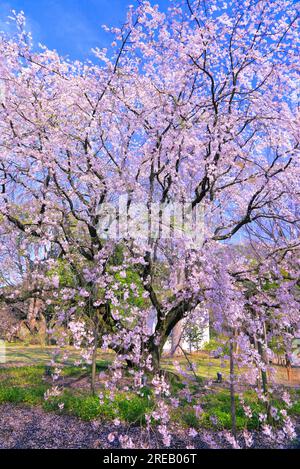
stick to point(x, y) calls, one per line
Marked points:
point(16, 395)
point(189, 418)
point(132, 409)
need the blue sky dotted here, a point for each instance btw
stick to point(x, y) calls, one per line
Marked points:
point(72, 27)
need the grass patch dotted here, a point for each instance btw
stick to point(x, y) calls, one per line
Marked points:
point(27, 385)
point(25, 355)
point(22, 376)
point(84, 407)
point(295, 409)
point(128, 408)
point(132, 409)
point(216, 413)
point(18, 395)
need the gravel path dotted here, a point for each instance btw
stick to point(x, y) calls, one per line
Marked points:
point(26, 427)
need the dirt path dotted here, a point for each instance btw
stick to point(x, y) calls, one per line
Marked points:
point(26, 427)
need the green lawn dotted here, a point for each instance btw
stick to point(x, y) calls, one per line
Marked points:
point(206, 367)
point(27, 355)
point(19, 355)
point(27, 385)
point(24, 380)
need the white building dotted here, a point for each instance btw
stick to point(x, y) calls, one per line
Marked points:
point(189, 337)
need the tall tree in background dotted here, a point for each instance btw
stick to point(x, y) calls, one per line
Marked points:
point(198, 106)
